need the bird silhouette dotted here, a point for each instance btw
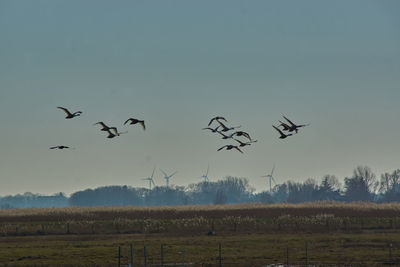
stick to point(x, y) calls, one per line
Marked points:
point(69, 114)
point(225, 128)
point(105, 127)
point(241, 133)
point(283, 136)
point(110, 134)
point(229, 147)
point(242, 144)
point(134, 121)
point(224, 136)
point(211, 129)
point(293, 126)
point(285, 126)
point(217, 119)
point(60, 147)
point(115, 130)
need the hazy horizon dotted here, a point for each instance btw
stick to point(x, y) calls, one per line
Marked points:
point(334, 64)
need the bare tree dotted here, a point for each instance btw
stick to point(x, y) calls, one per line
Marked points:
point(362, 186)
point(390, 186)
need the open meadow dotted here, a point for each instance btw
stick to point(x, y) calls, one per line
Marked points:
point(250, 235)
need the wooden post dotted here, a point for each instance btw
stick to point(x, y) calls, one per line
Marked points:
point(287, 256)
point(183, 257)
point(131, 265)
point(220, 255)
point(68, 232)
point(162, 254)
point(145, 256)
point(390, 253)
point(119, 256)
point(306, 253)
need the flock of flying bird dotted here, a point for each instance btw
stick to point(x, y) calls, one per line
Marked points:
point(222, 129)
point(112, 131)
point(291, 127)
point(226, 133)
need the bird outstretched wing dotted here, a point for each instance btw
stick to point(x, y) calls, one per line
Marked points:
point(130, 119)
point(238, 149)
point(65, 110)
point(143, 126)
point(222, 147)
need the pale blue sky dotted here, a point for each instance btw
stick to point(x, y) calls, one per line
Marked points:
point(334, 64)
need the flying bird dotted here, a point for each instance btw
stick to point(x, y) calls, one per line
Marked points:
point(69, 114)
point(295, 127)
point(116, 133)
point(241, 133)
point(217, 119)
point(115, 130)
point(110, 134)
point(283, 136)
point(225, 128)
point(211, 129)
point(229, 147)
point(224, 136)
point(105, 127)
point(285, 126)
point(60, 147)
point(134, 121)
point(242, 144)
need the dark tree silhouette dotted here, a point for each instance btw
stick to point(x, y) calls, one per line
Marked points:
point(390, 186)
point(362, 186)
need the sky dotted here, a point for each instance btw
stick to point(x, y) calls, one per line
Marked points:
point(176, 64)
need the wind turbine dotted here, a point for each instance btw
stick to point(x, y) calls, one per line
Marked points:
point(205, 176)
point(150, 179)
point(166, 176)
point(271, 179)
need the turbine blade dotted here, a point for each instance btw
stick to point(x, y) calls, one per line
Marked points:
point(172, 174)
point(163, 172)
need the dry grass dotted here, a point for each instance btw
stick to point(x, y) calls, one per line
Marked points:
point(360, 210)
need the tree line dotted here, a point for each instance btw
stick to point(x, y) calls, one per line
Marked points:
point(363, 185)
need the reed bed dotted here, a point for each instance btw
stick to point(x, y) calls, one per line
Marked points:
point(241, 218)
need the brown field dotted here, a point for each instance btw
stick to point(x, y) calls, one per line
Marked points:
point(357, 234)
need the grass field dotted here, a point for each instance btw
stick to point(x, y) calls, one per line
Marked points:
point(250, 235)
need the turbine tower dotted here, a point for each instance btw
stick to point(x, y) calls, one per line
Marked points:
point(166, 176)
point(205, 176)
point(271, 179)
point(150, 179)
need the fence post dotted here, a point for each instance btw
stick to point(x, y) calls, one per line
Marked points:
point(183, 257)
point(68, 232)
point(119, 256)
point(162, 254)
point(306, 253)
point(390, 253)
point(145, 256)
point(220, 255)
point(287, 256)
point(131, 265)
